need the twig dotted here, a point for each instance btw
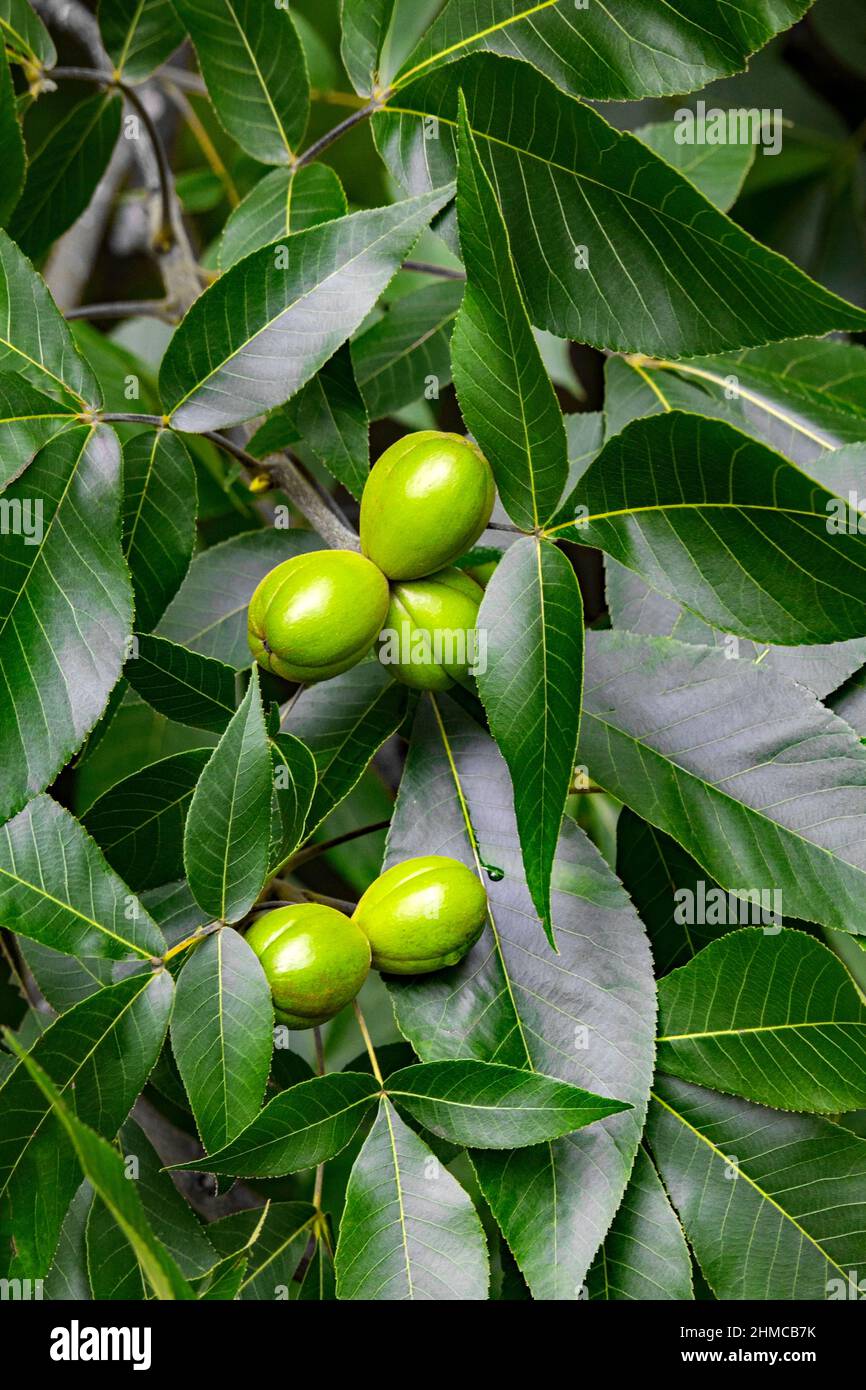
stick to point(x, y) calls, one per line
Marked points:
point(287, 476)
point(177, 265)
point(152, 308)
point(122, 418)
point(330, 136)
point(107, 80)
point(445, 272)
point(309, 852)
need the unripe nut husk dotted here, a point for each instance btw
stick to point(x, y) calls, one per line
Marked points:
point(429, 637)
point(427, 500)
point(315, 959)
point(317, 614)
point(422, 915)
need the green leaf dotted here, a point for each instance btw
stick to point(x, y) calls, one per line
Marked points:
point(611, 245)
point(299, 1128)
point(717, 171)
point(486, 1105)
point(113, 1267)
point(64, 172)
point(279, 205)
point(772, 1204)
point(294, 771)
point(583, 1016)
point(176, 911)
point(36, 340)
point(644, 1256)
point(227, 829)
point(28, 421)
point(801, 398)
point(11, 143)
point(173, 1220)
point(104, 1168)
point(821, 667)
point(138, 823)
point(275, 1256)
point(65, 608)
point(773, 782)
point(253, 63)
point(399, 354)
point(329, 415)
point(318, 1283)
point(657, 871)
point(209, 612)
point(159, 511)
point(532, 616)
point(255, 337)
point(56, 888)
point(66, 1280)
point(505, 394)
point(181, 684)
point(222, 1035)
point(100, 1052)
point(344, 722)
point(63, 979)
point(25, 36)
point(139, 36)
point(602, 51)
point(675, 497)
point(774, 1018)
point(409, 1231)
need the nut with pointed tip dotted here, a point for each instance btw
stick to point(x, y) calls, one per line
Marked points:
point(317, 614)
point(315, 960)
point(422, 915)
point(427, 500)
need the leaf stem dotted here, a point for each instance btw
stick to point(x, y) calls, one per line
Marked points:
point(368, 1043)
point(188, 941)
point(302, 856)
point(319, 146)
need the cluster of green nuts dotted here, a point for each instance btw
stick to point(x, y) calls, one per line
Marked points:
point(419, 916)
point(426, 501)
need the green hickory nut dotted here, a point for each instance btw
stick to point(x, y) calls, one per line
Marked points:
point(317, 614)
point(422, 915)
point(429, 639)
point(315, 960)
point(427, 500)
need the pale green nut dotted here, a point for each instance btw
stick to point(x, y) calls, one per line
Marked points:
point(427, 500)
point(422, 915)
point(430, 639)
point(315, 960)
point(317, 614)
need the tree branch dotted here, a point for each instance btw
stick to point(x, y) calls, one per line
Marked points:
point(330, 136)
point(287, 475)
point(177, 263)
